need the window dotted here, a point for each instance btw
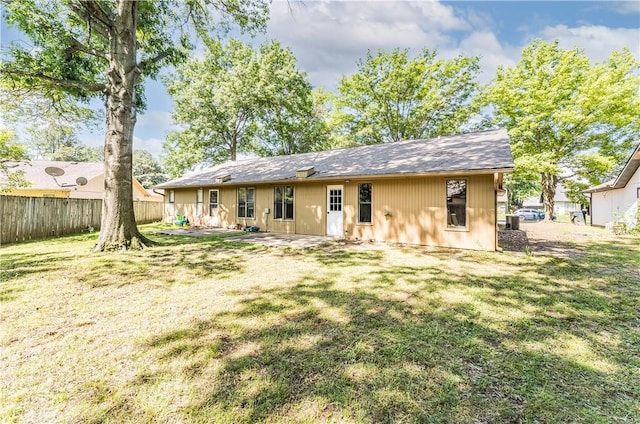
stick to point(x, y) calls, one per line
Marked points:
point(246, 202)
point(199, 202)
point(456, 203)
point(364, 203)
point(172, 196)
point(335, 200)
point(283, 202)
point(213, 202)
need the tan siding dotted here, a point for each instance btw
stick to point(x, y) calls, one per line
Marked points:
point(417, 208)
point(227, 206)
point(185, 203)
point(418, 213)
point(282, 226)
point(94, 189)
point(310, 209)
point(264, 199)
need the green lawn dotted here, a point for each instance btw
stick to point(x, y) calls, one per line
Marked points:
point(204, 330)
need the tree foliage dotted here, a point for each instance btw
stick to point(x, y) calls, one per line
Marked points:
point(83, 49)
point(146, 169)
point(240, 100)
point(10, 152)
point(568, 120)
point(394, 97)
point(51, 139)
point(521, 185)
point(290, 120)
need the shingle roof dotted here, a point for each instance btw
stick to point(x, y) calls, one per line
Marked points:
point(34, 171)
point(630, 168)
point(481, 151)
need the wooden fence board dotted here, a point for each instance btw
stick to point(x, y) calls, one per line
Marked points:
point(25, 218)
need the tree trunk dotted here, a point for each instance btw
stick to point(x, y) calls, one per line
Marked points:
point(233, 151)
point(118, 229)
point(549, 186)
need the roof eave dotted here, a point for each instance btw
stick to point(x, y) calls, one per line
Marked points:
point(320, 178)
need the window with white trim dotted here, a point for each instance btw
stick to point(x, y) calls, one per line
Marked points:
point(456, 203)
point(199, 202)
point(214, 202)
point(172, 196)
point(283, 202)
point(364, 203)
point(246, 202)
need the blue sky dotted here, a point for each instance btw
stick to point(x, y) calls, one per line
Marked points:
point(329, 37)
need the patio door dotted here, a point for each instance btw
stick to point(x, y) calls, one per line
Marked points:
point(214, 203)
point(334, 211)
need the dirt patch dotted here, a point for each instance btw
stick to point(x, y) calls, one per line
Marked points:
point(558, 239)
point(513, 240)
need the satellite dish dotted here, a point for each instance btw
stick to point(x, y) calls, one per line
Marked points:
point(54, 171)
point(81, 181)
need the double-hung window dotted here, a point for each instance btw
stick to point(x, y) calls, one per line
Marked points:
point(199, 202)
point(246, 202)
point(364, 203)
point(456, 203)
point(213, 202)
point(283, 202)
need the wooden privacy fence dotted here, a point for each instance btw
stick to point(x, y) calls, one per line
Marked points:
point(25, 218)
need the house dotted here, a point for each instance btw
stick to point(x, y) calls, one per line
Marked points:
point(502, 200)
point(561, 203)
point(76, 180)
point(617, 200)
point(436, 192)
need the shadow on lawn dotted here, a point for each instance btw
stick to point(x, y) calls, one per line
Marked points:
point(182, 264)
point(17, 265)
point(389, 353)
point(405, 344)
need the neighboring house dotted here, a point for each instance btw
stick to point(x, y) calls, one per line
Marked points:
point(502, 200)
point(561, 203)
point(437, 192)
point(77, 180)
point(617, 200)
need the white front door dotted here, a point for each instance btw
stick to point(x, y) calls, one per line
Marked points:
point(214, 203)
point(334, 211)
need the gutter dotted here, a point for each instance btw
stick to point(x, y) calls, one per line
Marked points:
point(343, 177)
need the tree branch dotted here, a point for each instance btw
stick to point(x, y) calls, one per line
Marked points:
point(93, 9)
point(59, 82)
point(101, 27)
point(150, 61)
point(78, 46)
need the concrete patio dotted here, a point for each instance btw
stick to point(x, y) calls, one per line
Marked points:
point(266, 239)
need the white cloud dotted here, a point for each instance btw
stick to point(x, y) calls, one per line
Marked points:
point(492, 53)
point(152, 145)
point(597, 41)
point(92, 139)
point(159, 119)
point(628, 7)
point(328, 38)
point(151, 131)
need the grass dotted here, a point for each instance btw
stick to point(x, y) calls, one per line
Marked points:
point(207, 330)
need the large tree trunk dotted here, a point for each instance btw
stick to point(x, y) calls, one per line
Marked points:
point(549, 187)
point(118, 228)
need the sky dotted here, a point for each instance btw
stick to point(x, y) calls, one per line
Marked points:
point(328, 39)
